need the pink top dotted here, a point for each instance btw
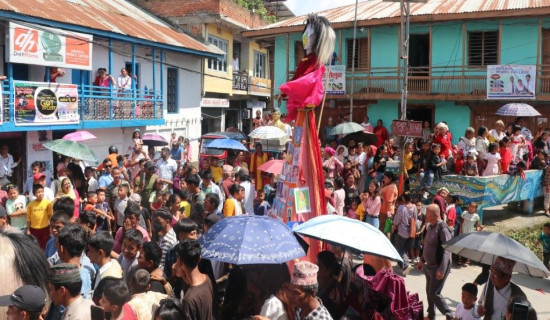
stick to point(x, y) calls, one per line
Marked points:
point(352, 214)
point(333, 165)
point(372, 206)
point(339, 196)
point(188, 153)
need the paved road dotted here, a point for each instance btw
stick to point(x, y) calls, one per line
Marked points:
point(416, 282)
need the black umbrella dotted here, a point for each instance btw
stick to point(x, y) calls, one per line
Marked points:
point(366, 138)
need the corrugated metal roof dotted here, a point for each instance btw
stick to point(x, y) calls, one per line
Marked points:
point(379, 9)
point(116, 16)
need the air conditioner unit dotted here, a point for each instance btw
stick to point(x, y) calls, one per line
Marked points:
point(245, 114)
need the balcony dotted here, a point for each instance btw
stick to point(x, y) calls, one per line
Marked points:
point(446, 83)
point(100, 107)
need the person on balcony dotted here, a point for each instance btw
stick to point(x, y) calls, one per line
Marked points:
point(103, 79)
point(124, 81)
point(55, 73)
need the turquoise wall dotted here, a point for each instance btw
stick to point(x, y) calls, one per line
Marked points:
point(384, 47)
point(457, 117)
point(519, 42)
point(387, 110)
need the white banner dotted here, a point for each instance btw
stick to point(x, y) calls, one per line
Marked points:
point(336, 80)
point(511, 82)
point(45, 46)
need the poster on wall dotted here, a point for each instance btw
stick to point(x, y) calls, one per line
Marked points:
point(336, 80)
point(44, 46)
point(40, 103)
point(511, 82)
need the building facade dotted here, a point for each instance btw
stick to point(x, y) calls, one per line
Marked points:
point(238, 84)
point(450, 48)
point(80, 37)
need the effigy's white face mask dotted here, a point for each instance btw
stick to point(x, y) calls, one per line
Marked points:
point(306, 39)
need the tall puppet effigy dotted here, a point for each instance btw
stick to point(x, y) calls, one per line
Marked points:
point(301, 194)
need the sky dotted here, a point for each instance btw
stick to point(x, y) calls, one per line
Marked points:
point(300, 7)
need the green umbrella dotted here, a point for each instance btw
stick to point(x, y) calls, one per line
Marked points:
point(345, 128)
point(72, 149)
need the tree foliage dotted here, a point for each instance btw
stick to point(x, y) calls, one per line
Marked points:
point(257, 6)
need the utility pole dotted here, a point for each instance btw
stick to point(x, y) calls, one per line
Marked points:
point(353, 56)
point(405, 22)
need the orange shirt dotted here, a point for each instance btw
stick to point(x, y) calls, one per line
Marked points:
point(111, 157)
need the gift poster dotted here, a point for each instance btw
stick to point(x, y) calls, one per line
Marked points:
point(40, 103)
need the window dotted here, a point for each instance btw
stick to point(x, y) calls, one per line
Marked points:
point(218, 64)
point(361, 53)
point(482, 48)
point(259, 64)
point(172, 90)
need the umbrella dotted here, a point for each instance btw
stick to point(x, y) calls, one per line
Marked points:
point(484, 247)
point(155, 140)
point(360, 136)
point(71, 149)
point(79, 136)
point(272, 166)
point(267, 132)
point(517, 110)
point(226, 144)
point(349, 233)
point(250, 240)
point(345, 128)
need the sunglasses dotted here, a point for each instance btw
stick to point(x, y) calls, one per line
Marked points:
point(108, 166)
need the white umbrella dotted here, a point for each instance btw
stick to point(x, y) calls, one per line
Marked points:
point(349, 233)
point(267, 132)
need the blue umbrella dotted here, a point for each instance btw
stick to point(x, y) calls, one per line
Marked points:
point(250, 240)
point(349, 233)
point(226, 144)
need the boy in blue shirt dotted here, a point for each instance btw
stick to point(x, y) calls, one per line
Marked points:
point(544, 238)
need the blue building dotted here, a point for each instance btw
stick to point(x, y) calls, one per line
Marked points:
point(451, 45)
point(74, 39)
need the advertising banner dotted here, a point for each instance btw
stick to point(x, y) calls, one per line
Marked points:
point(32, 44)
point(40, 103)
point(511, 82)
point(336, 80)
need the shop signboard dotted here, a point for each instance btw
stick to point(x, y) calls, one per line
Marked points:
point(406, 128)
point(511, 82)
point(336, 80)
point(44, 46)
point(40, 103)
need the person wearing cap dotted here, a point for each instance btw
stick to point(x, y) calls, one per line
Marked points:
point(243, 179)
point(499, 290)
point(307, 304)
point(40, 178)
point(435, 261)
point(331, 162)
point(64, 287)
point(25, 303)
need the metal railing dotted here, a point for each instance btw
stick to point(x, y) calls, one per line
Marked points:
point(448, 80)
point(101, 103)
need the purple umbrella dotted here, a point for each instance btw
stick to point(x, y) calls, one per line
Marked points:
point(155, 140)
point(79, 136)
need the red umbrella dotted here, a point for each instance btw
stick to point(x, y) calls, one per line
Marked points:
point(272, 166)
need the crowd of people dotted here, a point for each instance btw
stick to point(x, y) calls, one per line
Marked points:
point(123, 236)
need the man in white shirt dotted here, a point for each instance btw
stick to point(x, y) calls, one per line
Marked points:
point(499, 290)
point(207, 186)
point(6, 165)
point(243, 179)
point(166, 168)
point(529, 85)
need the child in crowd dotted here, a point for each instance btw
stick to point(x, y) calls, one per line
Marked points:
point(544, 238)
point(103, 206)
point(492, 161)
point(468, 142)
point(470, 223)
point(260, 205)
point(16, 206)
point(159, 200)
point(102, 217)
point(505, 154)
point(121, 203)
point(39, 213)
point(87, 220)
point(131, 245)
point(184, 204)
point(459, 162)
point(352, 211)
point(434, 168)
point(115, 299)
point(467, 309)
point(539, 161)
point(470, 166)
point(416, 247)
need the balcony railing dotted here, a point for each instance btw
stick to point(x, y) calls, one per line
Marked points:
point(450, 80)
point(100, 103)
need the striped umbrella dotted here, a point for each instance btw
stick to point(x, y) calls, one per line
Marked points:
point(517, 110)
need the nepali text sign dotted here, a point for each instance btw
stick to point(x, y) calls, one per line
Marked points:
point(49, 47)
point(214, 103)
point(511, 82)
point(40, 103)
point(336, 80)
point(406, 128)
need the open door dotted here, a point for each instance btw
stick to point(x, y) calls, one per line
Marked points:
point(545, 68)
point(419, 63)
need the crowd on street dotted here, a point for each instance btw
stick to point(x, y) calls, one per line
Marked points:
point(120, 240)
